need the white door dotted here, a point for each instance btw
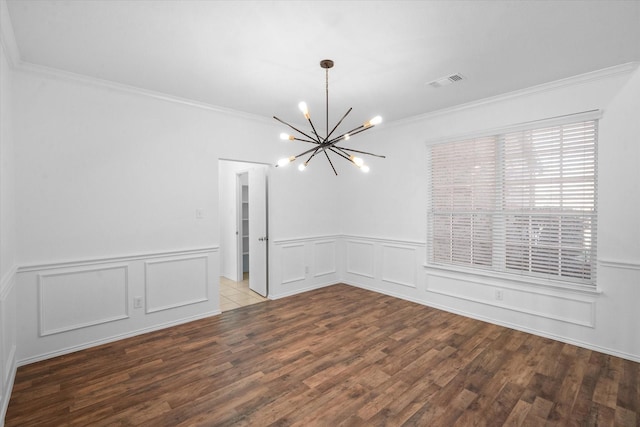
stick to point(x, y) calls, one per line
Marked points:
point(258, 238)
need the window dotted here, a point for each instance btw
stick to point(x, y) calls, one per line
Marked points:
point(521, 202)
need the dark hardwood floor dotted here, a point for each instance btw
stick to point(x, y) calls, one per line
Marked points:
point(338, 356)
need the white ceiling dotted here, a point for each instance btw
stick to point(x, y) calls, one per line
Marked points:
point(262, 57)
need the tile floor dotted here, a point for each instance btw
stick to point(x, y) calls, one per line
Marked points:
point(237, 294)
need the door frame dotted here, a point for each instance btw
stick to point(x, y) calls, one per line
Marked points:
point(248, 164)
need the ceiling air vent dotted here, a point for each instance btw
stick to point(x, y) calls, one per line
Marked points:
point(446, 81)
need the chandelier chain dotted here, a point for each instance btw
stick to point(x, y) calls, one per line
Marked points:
point(326, 70)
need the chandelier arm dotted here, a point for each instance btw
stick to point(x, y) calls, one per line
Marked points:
point(353, 132)
point(338, 124)
point(334, 169)
point(343, 153)
point(314, 130)
point(333, 149)
point(296, 129)
point(308, 151)
point(306, 140)
point(360, 152)
point(363, 128)
point(312, 155)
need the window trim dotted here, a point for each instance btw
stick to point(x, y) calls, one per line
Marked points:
point(528, 279)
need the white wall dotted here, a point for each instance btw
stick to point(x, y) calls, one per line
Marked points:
point(7, 235)
point(385, 229)
point(108, 181)
point(101, 161)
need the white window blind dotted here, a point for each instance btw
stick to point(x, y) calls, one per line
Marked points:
point(518, 202)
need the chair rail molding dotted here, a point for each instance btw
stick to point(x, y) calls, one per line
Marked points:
point(114, 259)
point(626, 265)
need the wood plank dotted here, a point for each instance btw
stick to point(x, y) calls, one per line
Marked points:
point(339, 356)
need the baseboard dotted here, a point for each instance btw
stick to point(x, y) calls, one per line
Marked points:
point(113, 338)
point(588, 346)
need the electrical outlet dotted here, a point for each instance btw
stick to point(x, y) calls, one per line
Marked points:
point(137, 302)
point(499, 295)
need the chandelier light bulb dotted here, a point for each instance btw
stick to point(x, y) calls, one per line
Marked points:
point(286, 136)
point(375, 121)
point(357, 160)
point(302, 167)
point(305, 110)
point(364, 168)
point(285, 161)
point(346, 137)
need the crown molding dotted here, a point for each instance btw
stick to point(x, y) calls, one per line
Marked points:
point(12, 53)
point(621, 69)
point(58, 74)
point(7, 38)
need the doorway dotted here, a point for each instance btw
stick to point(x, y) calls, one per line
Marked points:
point(243, 202)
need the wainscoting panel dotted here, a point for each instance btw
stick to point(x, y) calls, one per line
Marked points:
point(8, 331)
point(75, 304)
point(77, 299)
point(302, 264)
point(391, 266)
point(565, 308)
point(324, 257)
point(8, 363)
point(399, 265)
point(360, 258)
point(293, 263)
point(175, 282)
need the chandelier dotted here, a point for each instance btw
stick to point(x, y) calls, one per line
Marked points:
point(328, 143)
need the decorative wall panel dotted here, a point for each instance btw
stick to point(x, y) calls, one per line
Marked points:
point(571, 309)
point(324, 256)
point(7, 337)
point(176, 282)
point(8, 333)
point(293, 264)
point(360, 258)
point(399, 265)
point(80, 298)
